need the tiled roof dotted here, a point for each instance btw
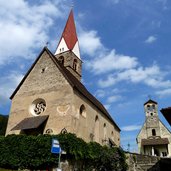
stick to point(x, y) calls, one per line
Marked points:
point(74, 82)
point(154, 141)
point(30, 123)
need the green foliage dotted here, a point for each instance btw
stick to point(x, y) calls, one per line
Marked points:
point(3, 124)
point(34, 152)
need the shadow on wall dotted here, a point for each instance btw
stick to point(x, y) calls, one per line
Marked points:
point(163, 164)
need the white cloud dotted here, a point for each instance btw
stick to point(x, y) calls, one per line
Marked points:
point(24, 27)
point(89, 42)
point(151, 76)
point(119, 67)
point(114, 98)
point(131, 127)
point(100, 93)
point(8, 84)
point(164, 92)
point(150, 39)
point(107, 82)
point(111, 61)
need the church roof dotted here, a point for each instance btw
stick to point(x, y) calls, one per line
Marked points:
point(167, 114)
point(74, 82)
point(150, 101)
point(155, 141)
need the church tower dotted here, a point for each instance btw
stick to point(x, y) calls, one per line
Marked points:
point(67, 51)
point(153, 138)
point(152, 120)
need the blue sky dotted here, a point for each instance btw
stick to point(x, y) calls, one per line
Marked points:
point(124, 44)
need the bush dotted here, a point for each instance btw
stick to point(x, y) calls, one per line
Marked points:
point(34, 152)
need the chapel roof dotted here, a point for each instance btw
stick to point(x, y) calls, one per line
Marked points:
point(155, 141)
point(150, 101)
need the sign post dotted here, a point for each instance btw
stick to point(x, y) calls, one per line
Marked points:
point(56, 149)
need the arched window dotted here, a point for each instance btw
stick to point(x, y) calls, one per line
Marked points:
point(96, 129)
point(105, 131)
point(61, 59)
point(96, 118)
point(75, 64)
point(153, 132)
point(83, 111)
point(112, 135)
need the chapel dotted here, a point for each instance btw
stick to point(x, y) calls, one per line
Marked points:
point(154, 138)
point(51, 99)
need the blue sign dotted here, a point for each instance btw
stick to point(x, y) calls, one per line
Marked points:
point(55, 147)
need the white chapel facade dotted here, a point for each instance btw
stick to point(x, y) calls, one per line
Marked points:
point(154, 138)
point(50, 99)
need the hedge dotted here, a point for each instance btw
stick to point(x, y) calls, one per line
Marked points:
point(34, 152)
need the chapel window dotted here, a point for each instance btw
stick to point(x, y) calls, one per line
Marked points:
point(153, 132)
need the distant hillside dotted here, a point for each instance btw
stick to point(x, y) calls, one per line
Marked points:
point(3, 124)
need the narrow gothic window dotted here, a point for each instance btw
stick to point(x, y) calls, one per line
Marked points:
point(105, 131)
point(153, 132)
point(61, 59)
point(96, 129)
point(75, 64)
point(83, 111)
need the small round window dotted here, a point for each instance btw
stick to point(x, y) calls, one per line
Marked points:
point(37, 107)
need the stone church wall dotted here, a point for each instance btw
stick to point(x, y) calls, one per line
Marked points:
point(45, 81)
point(87, 127)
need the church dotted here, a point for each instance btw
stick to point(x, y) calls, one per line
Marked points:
point(51, 99)
point(154, 138)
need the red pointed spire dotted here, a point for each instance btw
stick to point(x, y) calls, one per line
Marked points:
point(69, 34)
point(69, 40)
